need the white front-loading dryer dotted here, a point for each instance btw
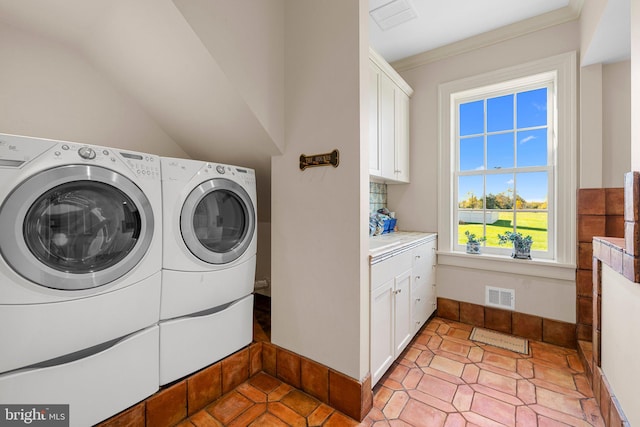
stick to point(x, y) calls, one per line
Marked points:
point(210, 239)
point(209, 262)
point(80, 259)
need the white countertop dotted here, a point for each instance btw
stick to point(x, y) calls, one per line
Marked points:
point(386, 245)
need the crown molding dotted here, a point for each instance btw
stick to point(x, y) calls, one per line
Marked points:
point(568, 13)
point(384, 66)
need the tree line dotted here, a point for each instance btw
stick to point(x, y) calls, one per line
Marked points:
point(502, 200)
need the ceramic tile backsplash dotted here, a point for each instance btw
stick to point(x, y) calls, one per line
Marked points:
point(600, 213)
point(377, 196)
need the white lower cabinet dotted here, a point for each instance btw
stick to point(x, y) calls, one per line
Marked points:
point(391, 322)
point(382, 341)
point(402, 299)
point(423, 291)
point(403, 324)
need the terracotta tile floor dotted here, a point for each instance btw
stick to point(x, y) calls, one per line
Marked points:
point(441, 379)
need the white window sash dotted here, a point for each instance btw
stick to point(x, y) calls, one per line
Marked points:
point(563, 158)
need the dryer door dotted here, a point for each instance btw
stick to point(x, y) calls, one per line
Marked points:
point(75, 227)
point(218, 221)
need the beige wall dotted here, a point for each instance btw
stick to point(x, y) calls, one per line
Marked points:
point(591, 149)
point(319, 241)
point(605, 124)
point(548, 298)
point(616, 123)
point(416, 204)
point(635, 85)
point(253, 60)
point(50, 91)
point(620, 349)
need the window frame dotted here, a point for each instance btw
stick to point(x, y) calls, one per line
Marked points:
point(546, 80)
point(565, 68)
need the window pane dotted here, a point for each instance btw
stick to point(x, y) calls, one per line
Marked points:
point(470, 192)
point(500, 151)
point(470, 221)
point(532, 108)
point(532, 190)
point(472, 118)
point(532, 148)
point(500, 191)
point(534, 224)
point(472, 153)
point(503, 222)
point(500, 113)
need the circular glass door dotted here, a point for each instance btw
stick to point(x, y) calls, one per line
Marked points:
point(84, 227)
point(218, 221)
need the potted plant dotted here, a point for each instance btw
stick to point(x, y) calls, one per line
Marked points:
point(521, 244)
point(473, 242)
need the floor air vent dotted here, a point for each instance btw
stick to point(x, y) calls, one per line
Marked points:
point(501, 298)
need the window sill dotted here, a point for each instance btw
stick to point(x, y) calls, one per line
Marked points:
point(503, 264)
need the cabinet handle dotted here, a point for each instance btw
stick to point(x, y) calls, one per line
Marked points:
point(417, 299)
point(417, 277)
point(417, 256)
point(396, 292)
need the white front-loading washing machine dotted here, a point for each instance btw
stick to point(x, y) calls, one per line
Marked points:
point(80, 274)
point(209, 262)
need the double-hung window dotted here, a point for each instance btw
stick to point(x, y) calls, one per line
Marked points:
point(504, 168)
point(508, 162)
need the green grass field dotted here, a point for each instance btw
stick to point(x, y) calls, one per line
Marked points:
point(529, 223)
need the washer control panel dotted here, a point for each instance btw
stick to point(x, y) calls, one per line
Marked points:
point(142, 165)
point(17, 151)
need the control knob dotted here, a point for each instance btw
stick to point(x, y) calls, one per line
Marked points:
point(87, 153)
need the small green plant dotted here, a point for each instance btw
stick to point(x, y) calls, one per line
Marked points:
point(521, 244)
point(473, 242)
point(472, 238)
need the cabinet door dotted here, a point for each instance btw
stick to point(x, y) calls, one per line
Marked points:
point(403, 330)
point(382, 345)
point(387, 118)
point(375, 155)
point(421, 283)
point(421, 304)
point(401, 165)
point(431, 277)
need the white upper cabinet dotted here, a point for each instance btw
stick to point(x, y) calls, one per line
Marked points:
point(389, 122)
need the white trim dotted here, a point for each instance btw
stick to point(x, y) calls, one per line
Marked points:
point(545, 80)
point(566, 14)
point(535, 267)
point(565, 65)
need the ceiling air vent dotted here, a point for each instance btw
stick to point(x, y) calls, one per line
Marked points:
point(501, 298)
point(389, 14)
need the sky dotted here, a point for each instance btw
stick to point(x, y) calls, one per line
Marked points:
point(518, 140)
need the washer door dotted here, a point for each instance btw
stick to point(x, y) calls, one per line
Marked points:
point(75, 227)
point(218, 221)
